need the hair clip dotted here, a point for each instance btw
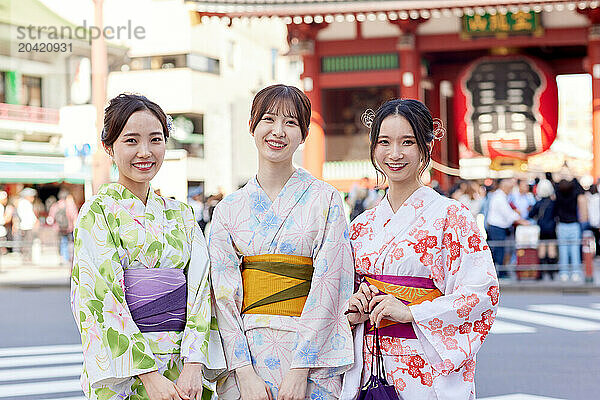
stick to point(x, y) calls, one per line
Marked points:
point(438, 129)
point(367, 118)
point(170, 125)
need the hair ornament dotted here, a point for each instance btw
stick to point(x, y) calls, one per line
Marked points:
point(170, 125)
point(367, 118)
point(438, 129)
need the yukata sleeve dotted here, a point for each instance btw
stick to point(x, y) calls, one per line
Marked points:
point(228, 291)
point(113, 347)
point(453, 327)
point(324, 334)
point(201, 342)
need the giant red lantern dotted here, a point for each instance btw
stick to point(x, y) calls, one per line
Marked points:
point(506, 106)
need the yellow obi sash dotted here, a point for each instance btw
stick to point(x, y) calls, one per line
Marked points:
point(276, 284)
point(408, 289)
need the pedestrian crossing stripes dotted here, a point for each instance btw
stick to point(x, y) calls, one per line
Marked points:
point(39, 350)
point(554, 321)
point(508, 327)
point(567, 310)
point(36, 388)
point(67, 398)
point(40, 372)
point(41, 360)
point(558, 316)
point(519, 396)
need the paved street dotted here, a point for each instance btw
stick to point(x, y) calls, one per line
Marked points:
point(543, 346)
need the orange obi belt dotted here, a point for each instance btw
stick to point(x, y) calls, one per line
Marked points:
point(276, 284)
point(408, 289)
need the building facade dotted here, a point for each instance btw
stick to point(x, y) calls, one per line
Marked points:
point(204, 73)
point(486, 68)
point(46, 128)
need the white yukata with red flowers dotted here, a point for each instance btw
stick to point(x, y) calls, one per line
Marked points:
point(430, 236)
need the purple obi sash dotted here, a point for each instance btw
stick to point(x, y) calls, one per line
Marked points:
point(409, 290)
point(157, 298)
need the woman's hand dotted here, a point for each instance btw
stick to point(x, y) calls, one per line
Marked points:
point(190, 380)
point(252, 386)
point(358, 306)
point(388, 307)
point(160, 388)
point(293, 386)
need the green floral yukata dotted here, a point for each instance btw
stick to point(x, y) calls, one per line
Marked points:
point(115, 232)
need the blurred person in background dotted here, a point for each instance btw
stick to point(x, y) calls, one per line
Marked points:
point(571, 211)
point(28, 221)
point(593, 211)
point(209, 208)
point(11, 222)
point(469, 194)
point(195, 201)
point(543, 213)
point(362, 197)
point(488, 188)
point(500, 219)
point(3, 230)
point(62, 217)
point(522, 199)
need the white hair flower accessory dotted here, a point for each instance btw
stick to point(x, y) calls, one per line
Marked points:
point(367, 118)
point(170, 125)
point(438, 129)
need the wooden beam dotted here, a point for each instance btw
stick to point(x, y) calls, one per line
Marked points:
point(551, 37)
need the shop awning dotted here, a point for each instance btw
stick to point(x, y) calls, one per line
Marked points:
point(38, 170)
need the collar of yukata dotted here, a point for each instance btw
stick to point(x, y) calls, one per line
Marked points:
point(120, 192)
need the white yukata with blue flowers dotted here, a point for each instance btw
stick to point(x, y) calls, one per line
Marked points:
point(306, 219)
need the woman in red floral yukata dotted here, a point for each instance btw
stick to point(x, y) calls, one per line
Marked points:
point(427, 279)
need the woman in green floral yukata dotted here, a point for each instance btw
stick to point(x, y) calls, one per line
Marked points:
point(140, 285)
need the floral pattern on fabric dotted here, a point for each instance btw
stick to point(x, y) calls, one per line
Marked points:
point(306, 219)
point(433, 237)
point(115, 231)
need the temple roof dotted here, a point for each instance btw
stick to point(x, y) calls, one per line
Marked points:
point(330, 10)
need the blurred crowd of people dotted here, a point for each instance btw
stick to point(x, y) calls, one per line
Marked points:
point(555, 210)
point(23, 215)
point(551, 211)
point(204, 206)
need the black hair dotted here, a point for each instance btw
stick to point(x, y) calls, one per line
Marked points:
point(120, 108)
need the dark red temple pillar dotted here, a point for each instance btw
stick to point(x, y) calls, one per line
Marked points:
point(410, 59)
point(592, 64)
point(594, 69)
point(314, 147)
point(303, 41)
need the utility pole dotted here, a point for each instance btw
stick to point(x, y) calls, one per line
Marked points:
point(101, 163)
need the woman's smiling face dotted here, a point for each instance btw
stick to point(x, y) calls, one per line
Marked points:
point(277, 135)
point(396, 151)
point(139, 150)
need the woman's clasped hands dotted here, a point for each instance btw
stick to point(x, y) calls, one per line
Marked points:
point(369, 304)
point(253, 387)
point(159, 387)
point(188, 386)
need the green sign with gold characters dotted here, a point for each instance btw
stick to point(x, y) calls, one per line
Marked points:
point(502, 25)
